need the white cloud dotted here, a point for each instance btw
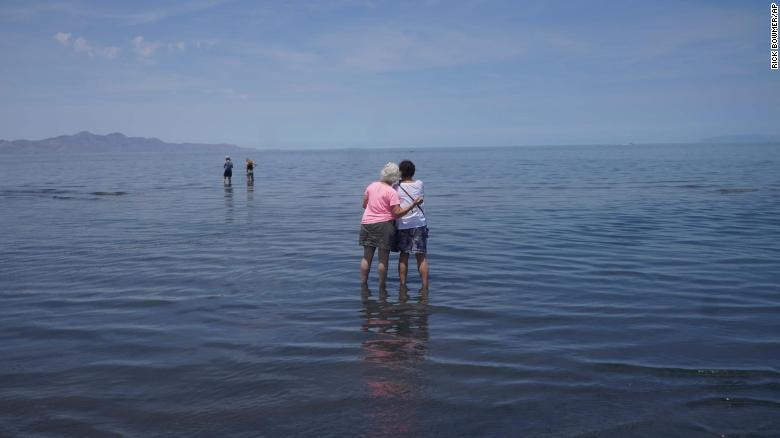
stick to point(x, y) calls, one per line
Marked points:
point(129, 15)
point(230, 93)
point(110, 52)
point(390, 49)
point(396, 49)
point(63, 38)
point(204, 45)
point(82, 45)
point(142, 81)
point(158, 14)
point(287, 56)
point(143, 48)
point(146, 49)
point(566, 43)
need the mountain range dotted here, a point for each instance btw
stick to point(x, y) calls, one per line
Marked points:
point(87, 142)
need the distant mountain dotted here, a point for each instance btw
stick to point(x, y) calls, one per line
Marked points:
point(744, 138)
point(87, 142)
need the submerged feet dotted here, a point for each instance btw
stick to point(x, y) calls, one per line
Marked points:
point(424, 295)
point(365, 292)
point(403, 292)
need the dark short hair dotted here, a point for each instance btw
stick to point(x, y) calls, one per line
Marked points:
point(407, 169)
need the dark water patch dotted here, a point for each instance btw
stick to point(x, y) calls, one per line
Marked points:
point(733, 190)
point(659, 371)
point(651, 427)
point(139, 303)
point(39, 332)
point(136, 349)
point(69, 427)
point(34, 193)
point(109, 193)
point(734, 402)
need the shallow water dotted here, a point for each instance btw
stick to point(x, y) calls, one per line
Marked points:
point(596, 291)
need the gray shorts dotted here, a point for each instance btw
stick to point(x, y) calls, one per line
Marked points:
point(379, 235)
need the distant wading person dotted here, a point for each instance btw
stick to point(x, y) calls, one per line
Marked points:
point(377, 228)
point(227, 176)
point(412, 227)
point(250, 171)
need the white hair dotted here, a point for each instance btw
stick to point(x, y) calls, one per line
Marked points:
point(390, 173)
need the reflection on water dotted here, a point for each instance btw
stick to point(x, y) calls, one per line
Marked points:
point(397, 344)
point(228, 203)
point(401, 331)
point(250, 198)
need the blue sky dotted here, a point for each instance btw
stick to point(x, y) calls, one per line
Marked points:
point(363, 73)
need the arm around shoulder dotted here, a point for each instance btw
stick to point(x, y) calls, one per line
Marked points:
point(398, 211)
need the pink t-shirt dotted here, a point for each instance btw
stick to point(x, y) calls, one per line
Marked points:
point(381, 198)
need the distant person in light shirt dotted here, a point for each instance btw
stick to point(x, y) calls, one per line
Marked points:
point(412, 227)
point(377, 227)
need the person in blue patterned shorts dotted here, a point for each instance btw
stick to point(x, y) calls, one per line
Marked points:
point(412, 227)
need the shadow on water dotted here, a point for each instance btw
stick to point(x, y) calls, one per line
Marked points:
point(395, 346)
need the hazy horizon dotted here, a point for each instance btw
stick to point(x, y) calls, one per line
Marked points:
point(735, 140)
point(361, 73)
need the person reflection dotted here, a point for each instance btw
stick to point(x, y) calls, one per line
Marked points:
point(250, 197)
point(400, 331)
point(396, 344)
point(229, 203)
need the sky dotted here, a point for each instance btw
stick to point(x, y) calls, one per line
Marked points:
point(364, 73)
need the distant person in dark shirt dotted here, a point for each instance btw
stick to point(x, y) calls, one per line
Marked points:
point(250, 171)
point(228, 175)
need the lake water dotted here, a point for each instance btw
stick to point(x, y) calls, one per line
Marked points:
point(575, 291)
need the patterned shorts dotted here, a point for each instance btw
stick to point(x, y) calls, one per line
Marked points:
point(413, 240)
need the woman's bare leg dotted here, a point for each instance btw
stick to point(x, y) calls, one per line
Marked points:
point(422, 267)
point(365, 264)
point(403, 268)
point(384, 258)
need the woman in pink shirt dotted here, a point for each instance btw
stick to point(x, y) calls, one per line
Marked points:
point(377, 228)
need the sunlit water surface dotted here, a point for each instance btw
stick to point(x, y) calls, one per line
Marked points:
point(597, 291)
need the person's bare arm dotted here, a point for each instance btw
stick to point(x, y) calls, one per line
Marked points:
point(365, 201)
point(399, 212)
